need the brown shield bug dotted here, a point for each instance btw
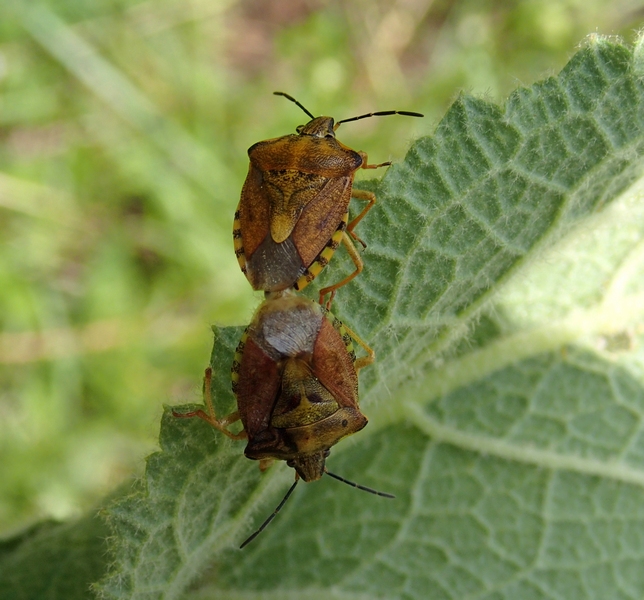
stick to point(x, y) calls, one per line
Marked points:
point(295, 377)
point(294, 206)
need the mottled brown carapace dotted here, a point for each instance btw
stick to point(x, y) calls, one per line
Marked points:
point(295, 377)
point(294, 207)
point(315, 394)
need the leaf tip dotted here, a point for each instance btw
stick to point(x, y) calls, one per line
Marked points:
point(599, 39)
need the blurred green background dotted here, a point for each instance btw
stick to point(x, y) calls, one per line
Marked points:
point(124, 127)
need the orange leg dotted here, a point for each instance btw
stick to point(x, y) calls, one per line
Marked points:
point(365, 360)
point(265, 463)
point(210, 417)
point(364, 195)
point(370, 197)
point(357, 261)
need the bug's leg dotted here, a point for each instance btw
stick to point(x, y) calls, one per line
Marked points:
point(211, 417)
point(357, 261)
point(265, 463)
point(364, 195)
point(384, 164)
point(370, 197)
point(364, 360)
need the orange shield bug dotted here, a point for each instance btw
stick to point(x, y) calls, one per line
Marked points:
point(295, 377)
point(293, 211)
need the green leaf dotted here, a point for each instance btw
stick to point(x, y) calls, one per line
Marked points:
point(53, 560)
point(503, 290)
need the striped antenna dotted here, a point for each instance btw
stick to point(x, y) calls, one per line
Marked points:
point(382, 113)
point(272, 515)
point(364, 488)
point(294, 100)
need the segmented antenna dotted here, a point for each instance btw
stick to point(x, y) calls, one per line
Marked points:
point(272, 515)
point(263, 526)
point(364, 488)
point(381, 113)
point(294, 100)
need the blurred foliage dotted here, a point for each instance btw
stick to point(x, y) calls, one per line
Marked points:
point(124, 127)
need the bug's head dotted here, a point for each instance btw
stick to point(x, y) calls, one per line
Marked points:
point(310, 467)
point(325, 126)
point(321, 127)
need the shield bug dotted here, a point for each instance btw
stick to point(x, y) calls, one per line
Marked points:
point(295, 377)
point(294, 206)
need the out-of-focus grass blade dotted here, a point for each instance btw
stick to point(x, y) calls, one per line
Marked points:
point(37, 200)
point(124, 98)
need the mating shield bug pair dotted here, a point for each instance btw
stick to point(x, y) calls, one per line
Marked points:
point(294, 207)
point(295, 373)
